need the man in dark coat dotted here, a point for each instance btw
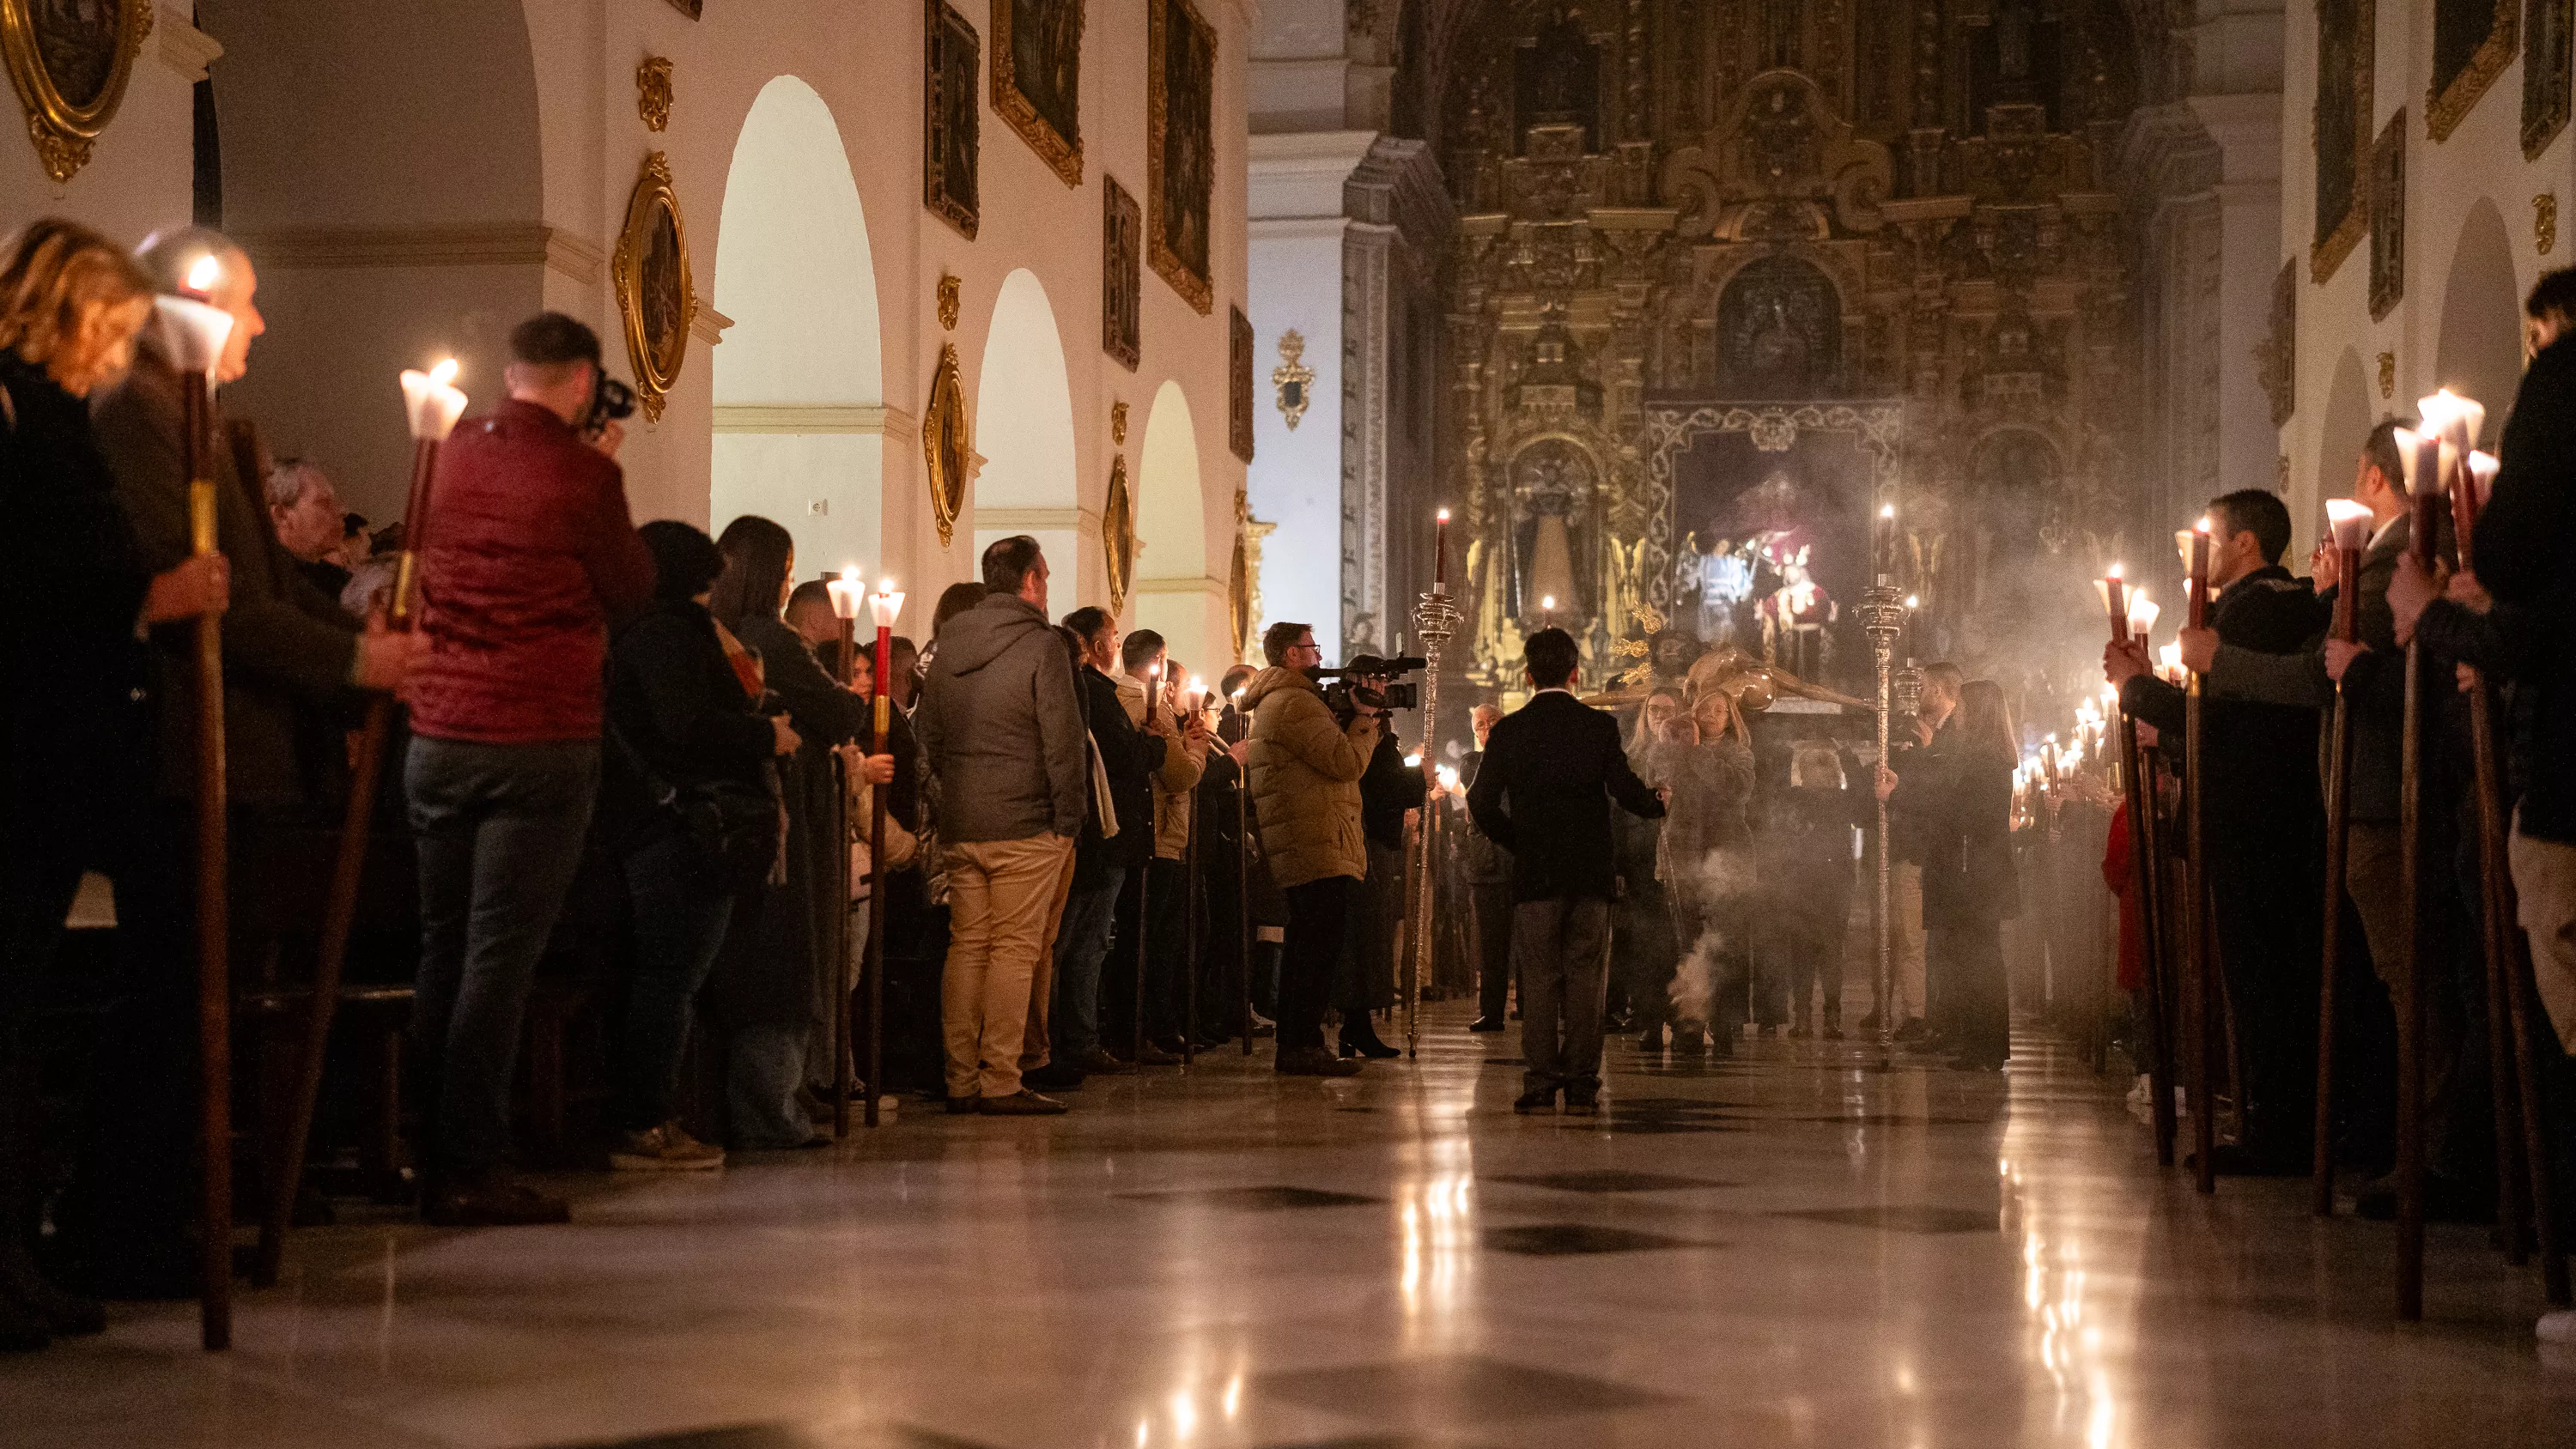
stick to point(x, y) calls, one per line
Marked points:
point(1093, 1013)
point(1489, 894)
point(1550, 773)
point(289, 655)
point(2264, 830)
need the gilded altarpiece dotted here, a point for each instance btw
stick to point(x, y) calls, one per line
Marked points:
point(1775, 272)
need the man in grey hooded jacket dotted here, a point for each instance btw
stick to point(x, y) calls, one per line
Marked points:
point(1001, 728)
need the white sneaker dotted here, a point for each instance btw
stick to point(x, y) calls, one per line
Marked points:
point(667, 1148)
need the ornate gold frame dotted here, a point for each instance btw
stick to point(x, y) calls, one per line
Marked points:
point(62, 131)
point(657, 365)
point(2326, 253)
point(1062, 152)
point(948, 466)
point(1118, 533)
point(2446, 106)
point(1292, 372)
point(1238, 595)
point(1198, 291)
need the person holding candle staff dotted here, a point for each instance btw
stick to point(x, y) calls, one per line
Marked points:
point(2265, 827)
point(533, 553)
point(1489, 890)
point(289, 653)
point(1097, 992)
point(1150, 919)
point(74, 592)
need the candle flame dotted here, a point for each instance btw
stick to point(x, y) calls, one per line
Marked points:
point(2202, 526)
point(204, 272)
point(850, 575)
point(1887, 510)
point(1442, 515)
point(1547, 601)
point(1913, 601)
point(2115, 571)
point(444, 373)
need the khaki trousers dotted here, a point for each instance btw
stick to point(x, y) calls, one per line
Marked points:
point(1904, 941)
point(1004, 900)
point(2544, 882)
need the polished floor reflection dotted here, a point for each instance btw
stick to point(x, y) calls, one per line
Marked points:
point(1784, 1249)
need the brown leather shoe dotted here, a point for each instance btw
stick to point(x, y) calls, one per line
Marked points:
point(1022, 1103)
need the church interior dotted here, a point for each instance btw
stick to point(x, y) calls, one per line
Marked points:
point(1772, 350)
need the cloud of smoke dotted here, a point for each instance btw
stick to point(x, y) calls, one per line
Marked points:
point(1719, 892)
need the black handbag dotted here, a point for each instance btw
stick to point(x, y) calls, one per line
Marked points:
point(736, 830)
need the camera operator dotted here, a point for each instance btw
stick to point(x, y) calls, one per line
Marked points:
point(1388, 791)
point(1306, 767)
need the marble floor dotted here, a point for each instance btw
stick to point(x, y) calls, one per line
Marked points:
point(1785, 1249)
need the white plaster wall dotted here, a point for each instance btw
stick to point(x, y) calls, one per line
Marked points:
point(2481, 160)
point(1296, 477)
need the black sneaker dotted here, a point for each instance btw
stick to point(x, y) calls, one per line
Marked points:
point(1538, 1099)
point(1582, 1104)
point(1054, 1077)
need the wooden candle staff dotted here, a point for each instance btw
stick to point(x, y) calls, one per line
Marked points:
point(1145, 880)
point(2426, 483)
point(2200, 971)
point(884, 606)
point(1243, 875)
point(195, 332)
point(846, 593)
point(2350, 525)
point(432, 405)
point(2146, 881)
point(1196, 698)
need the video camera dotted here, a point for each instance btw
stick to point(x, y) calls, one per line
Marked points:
point(610, 400)
point(1345, 696)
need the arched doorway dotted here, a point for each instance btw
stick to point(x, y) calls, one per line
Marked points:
point(1175, 594)
point(2480, 352)
point(799, 387)
point(1024, 428)
point(2343, 427)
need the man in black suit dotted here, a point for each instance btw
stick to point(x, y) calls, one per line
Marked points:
point(1543, 792)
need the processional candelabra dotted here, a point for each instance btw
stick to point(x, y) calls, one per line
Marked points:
point(1882, 619)
point(1435, 619)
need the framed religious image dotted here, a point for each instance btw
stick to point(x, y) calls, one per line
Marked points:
point(70, 60)
point(655, 296)
point(1037, 78)
point(1122, 274)
point(1118, 533)
point(2546, 72)
point(952, 116)
point(2473, 41)
point(1180, 146)
point(1238, 394)
point(1238, 596)
point(947, 443)
point(2346, 62)
point(2388, 218)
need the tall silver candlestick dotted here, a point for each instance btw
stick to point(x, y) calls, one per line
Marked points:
point(1434, 619)
point(1882, 618)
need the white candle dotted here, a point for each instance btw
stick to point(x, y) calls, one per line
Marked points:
point(432, 403)
point(846, 592)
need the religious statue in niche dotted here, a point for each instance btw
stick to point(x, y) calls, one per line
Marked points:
point(1780, 166)
point(1037, 78)
point(1180, 146)
point(70, 60)
point(2014, 478)
point(1557, 82)
point(952, 118)
point(1779, 329)
point(1555, 540)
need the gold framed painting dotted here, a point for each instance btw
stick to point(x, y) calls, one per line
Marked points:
point(951, 121)
point(2347, 63)
point(1118, 534)
point(655, 295)
point(1037, 78)
point(70, 60)
point(947, 444)
point(1180, 146)
point(1238, 596)
point(2473, 41)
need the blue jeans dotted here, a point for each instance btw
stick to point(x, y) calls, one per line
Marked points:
point(499, 831)
point(1081, 945)
point(679, 926)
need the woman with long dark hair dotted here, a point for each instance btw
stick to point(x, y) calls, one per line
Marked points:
point(73, 590)
point(1964, 799)
point(688, 784)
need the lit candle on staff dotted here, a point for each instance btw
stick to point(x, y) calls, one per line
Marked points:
point(1884, 547)
point(2115, 603)
point(2422, 452)
point(2194, 545)
point(884, 607)
point(1440, 552)
point(2169, 664)
point(1547, 609)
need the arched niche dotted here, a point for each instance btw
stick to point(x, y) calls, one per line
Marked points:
point(1023, 411)
point(2016, 529)
point(390, 196)
point(2346, 423)
point(2479, 353)
point(799, 431)
point(1176, 593)
point(1779, 330)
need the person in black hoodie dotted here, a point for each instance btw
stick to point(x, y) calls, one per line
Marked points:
point(684, 713)
point(1962, 801)
point(2265, 831)
point(1388, 791)
point(1095, 1015)
point(73, 727)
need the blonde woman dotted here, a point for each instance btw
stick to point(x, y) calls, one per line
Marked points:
point(73, 595)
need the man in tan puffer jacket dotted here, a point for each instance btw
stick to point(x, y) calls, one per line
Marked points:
point(1306, 768)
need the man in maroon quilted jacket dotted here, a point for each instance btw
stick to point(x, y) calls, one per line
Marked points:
point(528, 552)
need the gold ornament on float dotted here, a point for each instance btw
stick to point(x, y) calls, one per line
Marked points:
point(947, 443)
point(655, 295)
point(1118, 533)
point(653, 91)
point(70, 63)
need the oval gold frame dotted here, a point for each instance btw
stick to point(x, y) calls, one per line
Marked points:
point(656, 364)
point(1118, 534)
point(947, 443)
point(1238, 604)
point(62, 131)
